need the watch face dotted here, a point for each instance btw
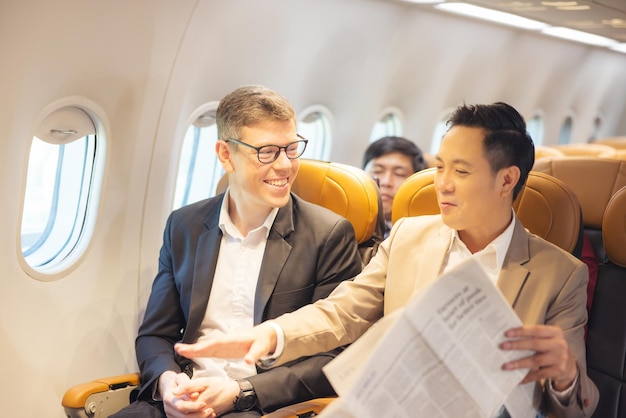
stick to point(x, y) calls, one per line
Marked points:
point(245, 402)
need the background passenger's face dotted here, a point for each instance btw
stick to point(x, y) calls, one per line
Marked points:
point(257, 186)
point(390, 170)
point(466, 187)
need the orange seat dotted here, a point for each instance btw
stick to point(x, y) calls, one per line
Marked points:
point(594, 180)
point(542, 151)
point(590, 150)
point(606, 338)
point(600, 185)
point(617, 142)
point(346, 190)
point(545, 206)
point(620, 154)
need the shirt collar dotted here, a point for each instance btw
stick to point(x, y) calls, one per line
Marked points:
point(228, 227)
point(500, 244)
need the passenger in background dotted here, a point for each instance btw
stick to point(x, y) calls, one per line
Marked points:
point(229, 262)
point(390, 160)
point(482, 165)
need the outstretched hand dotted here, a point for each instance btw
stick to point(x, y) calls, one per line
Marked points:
point(250, 345)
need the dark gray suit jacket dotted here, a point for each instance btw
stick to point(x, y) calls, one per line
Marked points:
point(309, 251)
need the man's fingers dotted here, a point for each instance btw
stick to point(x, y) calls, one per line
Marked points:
point(250, 345)
point(221, 348)
point(534, 331)
point(257, 350)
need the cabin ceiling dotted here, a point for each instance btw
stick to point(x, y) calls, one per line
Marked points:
point(600, 17)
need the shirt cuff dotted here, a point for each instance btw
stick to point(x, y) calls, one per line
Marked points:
point(268, 361)
point(564, 395)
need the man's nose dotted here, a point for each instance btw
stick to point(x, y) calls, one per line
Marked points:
point(282, 160)
point(442, 182)
point(385, 178)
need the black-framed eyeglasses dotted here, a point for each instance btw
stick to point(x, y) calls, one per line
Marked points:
point(269, 153)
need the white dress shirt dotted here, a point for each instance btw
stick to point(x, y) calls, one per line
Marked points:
point(491, 257)
point(231, 304)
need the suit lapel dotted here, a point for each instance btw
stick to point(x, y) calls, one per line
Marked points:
point(513, 274)
point(432, 258)
point(277, 250)
point(204, 269)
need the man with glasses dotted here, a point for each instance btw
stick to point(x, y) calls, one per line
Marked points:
point(237, 259)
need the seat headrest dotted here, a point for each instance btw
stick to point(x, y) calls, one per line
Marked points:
point(617, 142)
point(545, 206)
point(344, 189)
point(593, 180)
point(614, 228)
point(620, 154)
point(542, 151)
point(586, 150)
point(416, 196)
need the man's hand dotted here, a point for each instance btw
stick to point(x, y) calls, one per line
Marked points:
point(552, 358)
point(217, 393)
point(180, 400)
point(250, 345)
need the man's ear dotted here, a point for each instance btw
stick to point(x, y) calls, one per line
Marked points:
point(508, 178)
point(224, 154)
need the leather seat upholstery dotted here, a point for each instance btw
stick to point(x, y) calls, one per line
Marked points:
point(545, 206)
point(600, 185)
point(346, 190)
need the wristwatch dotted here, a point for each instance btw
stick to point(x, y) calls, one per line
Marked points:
point(246, 399)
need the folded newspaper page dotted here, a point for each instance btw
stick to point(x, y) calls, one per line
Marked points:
point(438, 357)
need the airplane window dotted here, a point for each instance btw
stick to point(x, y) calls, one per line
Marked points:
point(315, 125)
point(535, 129)
point(597, 124)
point(390, 124)
point(440, 130)
point(62, 187)
point(199, 170)
point(566, 131)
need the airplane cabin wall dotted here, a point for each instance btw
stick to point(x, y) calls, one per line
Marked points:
point(146, 65)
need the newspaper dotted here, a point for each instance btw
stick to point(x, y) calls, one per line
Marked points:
point(438, 357)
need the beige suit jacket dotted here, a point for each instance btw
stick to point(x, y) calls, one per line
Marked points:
point(543, 284)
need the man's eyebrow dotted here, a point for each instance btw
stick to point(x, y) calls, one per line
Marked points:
point(455, 161)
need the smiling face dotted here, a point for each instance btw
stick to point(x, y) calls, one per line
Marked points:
point(257, 188)
point(472, 198)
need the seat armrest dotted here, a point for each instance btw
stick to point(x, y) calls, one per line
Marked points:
point(99, 398)
point(304, 409)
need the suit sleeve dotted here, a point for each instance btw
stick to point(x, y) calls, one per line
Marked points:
point(568, 311)
point(162, 324)
point(303, 379)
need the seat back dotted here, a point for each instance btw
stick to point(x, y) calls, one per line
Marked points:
point(600, 185)
point(587, 150)
point(542, 151)
point(620, 154)
point(606, 338)
point(545, 206)
point(594, 181)
point(617, 142)
point(347, 191)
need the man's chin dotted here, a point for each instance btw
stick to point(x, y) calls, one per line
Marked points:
point(278, 201)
